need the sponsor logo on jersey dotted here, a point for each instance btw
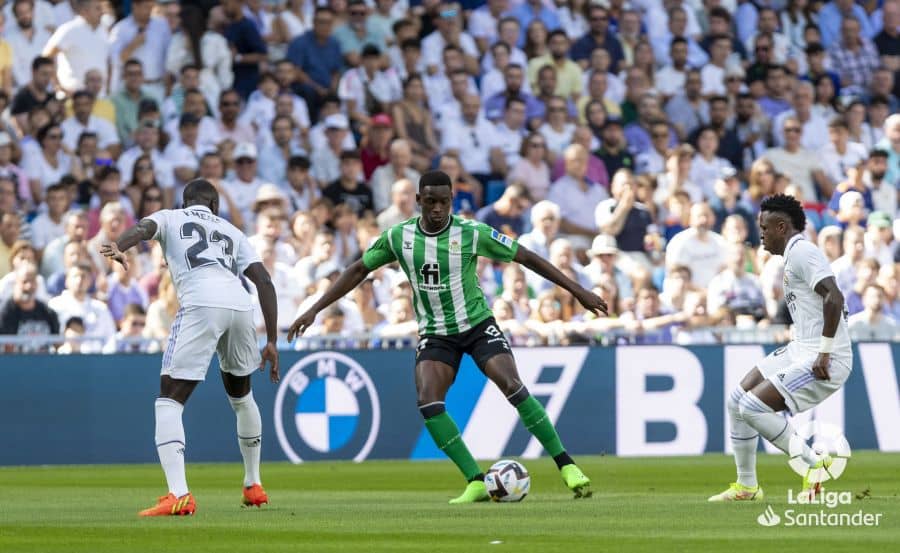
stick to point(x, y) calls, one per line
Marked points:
point(326, 408)
point(502, 238)
point(407, 245)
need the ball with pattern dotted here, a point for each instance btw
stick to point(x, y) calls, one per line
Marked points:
point(507, 481)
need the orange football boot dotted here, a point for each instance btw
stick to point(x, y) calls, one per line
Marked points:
point(169, 505)
point(254, 495)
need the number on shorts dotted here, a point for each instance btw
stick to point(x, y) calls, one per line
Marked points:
point(194, 259)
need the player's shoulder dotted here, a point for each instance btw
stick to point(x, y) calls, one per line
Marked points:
point(804, 251)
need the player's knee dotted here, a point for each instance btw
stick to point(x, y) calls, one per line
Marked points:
point(751, 408)
point(433, 409)
point(519, 393)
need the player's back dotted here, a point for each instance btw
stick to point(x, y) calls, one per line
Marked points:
point(206, 256)
point(806, 266)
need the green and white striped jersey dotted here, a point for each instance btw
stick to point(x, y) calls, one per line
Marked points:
point(442, 269)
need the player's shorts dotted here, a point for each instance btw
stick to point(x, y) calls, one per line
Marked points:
point(198, 332)
point(483, 341)
point(789, 369)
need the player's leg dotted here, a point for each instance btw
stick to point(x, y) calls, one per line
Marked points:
point(239, 358)
point(437, 361)
point(190, 348)
point(501, 369)
point(744, 441)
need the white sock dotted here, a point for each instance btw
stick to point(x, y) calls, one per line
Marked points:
point(744, 440)
point(249, 431)
point(170, 444)
point(772, 426)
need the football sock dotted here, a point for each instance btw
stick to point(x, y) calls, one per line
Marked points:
point(170, 444)
point(249, 432)
point(744, 440)
point(446, 436)
point(535, 419)
point(771, 425)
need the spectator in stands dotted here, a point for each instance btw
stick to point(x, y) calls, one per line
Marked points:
point(322, 253)
point(879, 237)
point(368, 89)
point(872, 323)
point(81, 44)
point(557, 130)
point(349, 188)
point(23, 314)
point(129, 339)
point(776, 98)
point(75, 302)
point(245, 185)
point(36, 93)
point(652, 161)
point(403, 205)
point(302, 189)
point(376, 144)
point(733, 292)
point(866, 275)
point(647, 321)
point(568, 73)
point(147, 144)
point(124, 290)
point(699, 248)
point(801, 166)
point(889, 280)
point(413, 123)
point(507, 214)
point(49, 164)
point(854, 57)
point(577, 198)
point(274, 157)
point(246, 42)
point(316, 55)
point(26, 39)
point(198, 45)
point(401, 321)
point(598, 36)
point(229, 126)
point(270, 223)
point(546, 319)
point(626, 218)
point(814, 128)
point(385, 176)
point(288, 291)
point(145, 38)
point(604, 254)
point(162, 311)
point(127, 101)
point(707, 167)
point(532, 169)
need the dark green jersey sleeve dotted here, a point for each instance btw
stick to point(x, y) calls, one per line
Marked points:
point(380, 252)
point(495, 245)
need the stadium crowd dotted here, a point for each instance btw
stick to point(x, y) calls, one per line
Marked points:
point(628, 142)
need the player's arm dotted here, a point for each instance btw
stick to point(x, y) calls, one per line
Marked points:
point(832, 310)
point(144, 230)
point(265, 290)
point(527, 258)
point(349, 279)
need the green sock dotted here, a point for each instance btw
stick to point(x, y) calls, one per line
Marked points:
point(538, 423)
point(446, 436)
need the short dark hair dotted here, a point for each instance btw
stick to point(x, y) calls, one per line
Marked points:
point(299, 162)
point(787, 205)
point(199, 191)
point(839, 122)
point(133, 61)
point(410, 44)
point(350, 155)
point(877, 152)
point(678, 40)
point(82, 94)
point(435, 178)
point(39, 62)
point(557, 32)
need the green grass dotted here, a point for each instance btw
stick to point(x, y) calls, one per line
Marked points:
point(654, 505)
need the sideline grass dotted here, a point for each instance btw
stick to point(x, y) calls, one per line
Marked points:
point(653, 505)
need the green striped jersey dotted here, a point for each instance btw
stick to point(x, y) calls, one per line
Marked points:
point(442, 269)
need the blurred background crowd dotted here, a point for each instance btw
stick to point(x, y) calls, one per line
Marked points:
point(629, 142)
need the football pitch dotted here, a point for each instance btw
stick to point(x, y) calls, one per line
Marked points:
point(648, 504)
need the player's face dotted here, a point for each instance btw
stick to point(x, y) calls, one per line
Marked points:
point(435, 202)
point(772, 232)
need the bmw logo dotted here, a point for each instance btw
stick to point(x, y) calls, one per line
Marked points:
point(326, 408)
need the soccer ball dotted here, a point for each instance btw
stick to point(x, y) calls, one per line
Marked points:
point(507, 481)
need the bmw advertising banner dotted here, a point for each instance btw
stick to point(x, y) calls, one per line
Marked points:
point(357, 405)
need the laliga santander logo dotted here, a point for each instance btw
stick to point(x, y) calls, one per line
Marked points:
point(827, 442)
point(326, 408)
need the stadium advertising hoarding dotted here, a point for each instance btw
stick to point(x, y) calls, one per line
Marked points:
point(630, 400)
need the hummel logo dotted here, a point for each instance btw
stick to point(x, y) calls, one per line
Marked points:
point(781, 377)
point(407, 245)
point(768, 518)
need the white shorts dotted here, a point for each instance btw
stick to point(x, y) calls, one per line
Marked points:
point(789, 369)
point(198, 332)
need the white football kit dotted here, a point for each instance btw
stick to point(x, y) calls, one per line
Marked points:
point(790, 368)
point(206, 256)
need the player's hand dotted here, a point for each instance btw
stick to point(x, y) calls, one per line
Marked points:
point(820, 366)
point(111, 251)
point(592, 302)
point(303, 322)
point(270, 355)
